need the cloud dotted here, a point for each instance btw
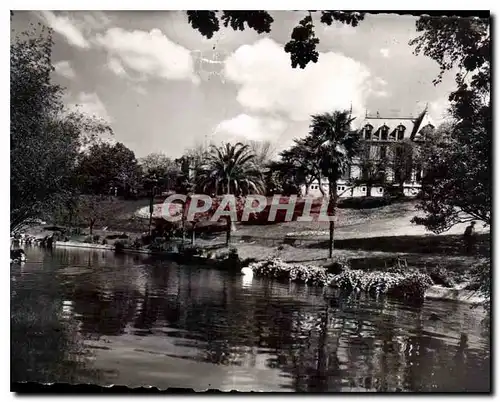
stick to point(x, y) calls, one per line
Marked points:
point(65, 26)
point(268, 83)
point(385, 52)
point(64, 68)
point(149, 54)
point(91, 104)
point(116, 66)
point(246, 127)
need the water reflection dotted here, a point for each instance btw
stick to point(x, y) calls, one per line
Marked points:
point(96, 317)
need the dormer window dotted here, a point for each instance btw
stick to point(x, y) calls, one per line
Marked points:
point(401, 131)
point(384, 132)
point(368, 131)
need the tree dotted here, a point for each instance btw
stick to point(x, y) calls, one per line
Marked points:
point(105, 166)
point(230, 169)
point(96, 209)
point(373, 166)
point(300, 164)
point(336, 145)
point(45, 137)
point(457, 185)
point(263, 151)
point(404, 157)
point(303, 42)
point(162, 167)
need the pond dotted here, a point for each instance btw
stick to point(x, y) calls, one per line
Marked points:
point(80, 316)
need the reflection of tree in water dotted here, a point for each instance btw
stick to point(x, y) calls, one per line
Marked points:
point(102, 314)
point(436, 366)
point(44, 346)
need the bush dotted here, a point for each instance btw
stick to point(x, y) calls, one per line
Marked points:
point(88, 239)
point(120, 246)
point(96, 238)
point(441, 276)
point(410, 285)
point(280, 270)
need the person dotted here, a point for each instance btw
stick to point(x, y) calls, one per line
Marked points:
point(469, 238)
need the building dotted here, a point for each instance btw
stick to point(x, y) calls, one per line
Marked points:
point(386, 162)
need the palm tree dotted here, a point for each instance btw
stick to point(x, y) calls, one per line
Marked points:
point(230, 169)
point(336, 145)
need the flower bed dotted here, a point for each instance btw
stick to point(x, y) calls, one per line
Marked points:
point(408, 284)
point(276, 268)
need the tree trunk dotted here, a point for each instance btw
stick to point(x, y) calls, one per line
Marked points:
point(332, 203)
point(193, 234)
point(228, 231)
point(91, 227)
point(229, 222)
point(321, 185)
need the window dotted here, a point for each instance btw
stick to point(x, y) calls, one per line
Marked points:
point(383, 152)
point(363, 189)
point(380, 189)
point(339, 188)
point(368, 131)
point(401, 131)
point(385, 131)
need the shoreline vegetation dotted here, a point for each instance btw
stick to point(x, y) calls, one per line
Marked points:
point(368, 254)
point(412, 284)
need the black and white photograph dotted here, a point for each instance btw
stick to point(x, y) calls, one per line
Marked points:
point(252, 201)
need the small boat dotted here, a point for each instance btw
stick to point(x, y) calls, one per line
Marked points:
point(247, 271)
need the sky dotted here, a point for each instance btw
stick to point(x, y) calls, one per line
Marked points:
point(165, 88)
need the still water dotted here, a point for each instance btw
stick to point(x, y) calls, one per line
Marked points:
point(81, 316)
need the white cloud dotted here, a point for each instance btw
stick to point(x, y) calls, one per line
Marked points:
point(65, 26)
point(64, 68)
point(116, 66)
point(150, 54)
point(245, 127)
point(385, 52)
point(139, 89)
point(91, 104)
point(268, 83)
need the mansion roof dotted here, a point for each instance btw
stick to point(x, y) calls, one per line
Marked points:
point(406, 127)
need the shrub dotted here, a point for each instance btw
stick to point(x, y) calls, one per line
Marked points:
point(280, 270)
point(96, 238)
point(87, 239)
point(441, 276)
point(120, 246)
point(409, 285)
